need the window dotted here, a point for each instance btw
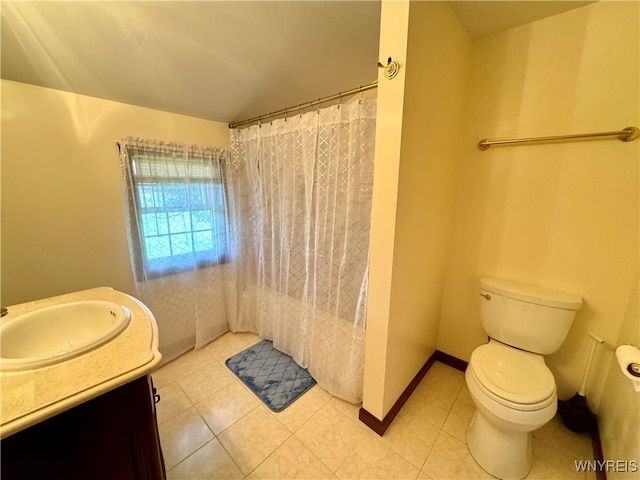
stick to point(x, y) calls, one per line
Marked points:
point(178, 218)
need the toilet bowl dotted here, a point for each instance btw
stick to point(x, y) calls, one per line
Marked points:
point(512, 388)
point(515, 394)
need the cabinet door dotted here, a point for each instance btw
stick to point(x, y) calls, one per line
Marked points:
point(111, 437)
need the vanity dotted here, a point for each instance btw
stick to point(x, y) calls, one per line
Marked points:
point(75, 404)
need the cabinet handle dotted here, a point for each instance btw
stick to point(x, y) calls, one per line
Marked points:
point(156, 395)
point(486, 296)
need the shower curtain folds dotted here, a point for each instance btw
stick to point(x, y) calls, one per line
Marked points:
point(302, 206)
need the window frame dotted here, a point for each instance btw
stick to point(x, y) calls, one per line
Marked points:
point(144, 266)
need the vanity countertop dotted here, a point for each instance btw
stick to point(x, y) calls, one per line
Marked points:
point(30, 396)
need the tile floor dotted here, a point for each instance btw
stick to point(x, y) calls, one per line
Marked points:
point(213, 427)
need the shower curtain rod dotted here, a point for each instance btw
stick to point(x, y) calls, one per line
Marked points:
point(302, 106)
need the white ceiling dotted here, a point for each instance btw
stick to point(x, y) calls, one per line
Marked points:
point(219, 60)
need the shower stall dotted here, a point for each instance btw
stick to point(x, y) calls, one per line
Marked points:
point(300, 197)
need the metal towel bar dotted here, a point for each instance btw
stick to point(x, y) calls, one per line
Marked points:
point(626, 135)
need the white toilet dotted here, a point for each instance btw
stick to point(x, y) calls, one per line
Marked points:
point(514, 391)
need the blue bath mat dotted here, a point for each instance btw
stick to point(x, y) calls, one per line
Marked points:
point(273, 376)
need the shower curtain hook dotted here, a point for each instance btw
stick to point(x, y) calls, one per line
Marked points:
point(390, 69)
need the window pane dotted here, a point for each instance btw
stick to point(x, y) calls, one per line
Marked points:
point(163, 223)
point(181, 211)
point(158, 196)
point(157, 247)
point(219, 224)
point(214, 195)
point(201, 219)
point(149, 224)
point(217, 192)
point(145, 193)
point(202, 241)
point(179, 222)
point(196, 196)
point(181, 244)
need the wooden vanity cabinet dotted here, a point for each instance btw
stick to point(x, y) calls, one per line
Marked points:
point(111, 437)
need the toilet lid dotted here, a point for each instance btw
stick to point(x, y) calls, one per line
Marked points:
point(515, 375)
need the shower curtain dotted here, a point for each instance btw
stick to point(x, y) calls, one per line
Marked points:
point(301, 206)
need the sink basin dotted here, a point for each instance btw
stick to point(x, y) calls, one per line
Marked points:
point(58, 332)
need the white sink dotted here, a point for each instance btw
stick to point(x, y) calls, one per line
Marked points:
point(58, 332)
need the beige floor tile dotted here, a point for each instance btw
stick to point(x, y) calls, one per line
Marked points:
point(330, 435)
point(182, 435)
point(291, 461)
point(458, 420)
point(296, 414)
point(557, 435)
point(550, 463)
point(322, 392)
point(430, 404)
point(411, 437)
point(450, 459)
point(226, 406)
point(249, 337)
point(229, 344)
point(172, 371)
point(206, 381)
point(206, 353)
point(209, 462)
point(465, 396)
point(253, 438)
point(372, 459)
point(179, 368)
point(172, 402)
point(351, 410)
point(443, 378)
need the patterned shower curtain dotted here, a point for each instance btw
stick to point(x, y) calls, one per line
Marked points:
point(302, 204)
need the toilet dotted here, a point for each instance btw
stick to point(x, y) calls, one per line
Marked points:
point(512, 388)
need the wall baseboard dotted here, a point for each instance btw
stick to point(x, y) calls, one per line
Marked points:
point(451, 360)
point(380, 426)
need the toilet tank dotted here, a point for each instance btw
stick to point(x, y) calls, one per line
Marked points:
point(531, 318)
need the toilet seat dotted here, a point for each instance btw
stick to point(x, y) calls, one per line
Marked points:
point(514, 378)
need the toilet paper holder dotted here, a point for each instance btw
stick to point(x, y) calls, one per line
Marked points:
point(629, 360)
point(634, 369)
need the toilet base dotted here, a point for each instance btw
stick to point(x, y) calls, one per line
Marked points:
point(484, 440)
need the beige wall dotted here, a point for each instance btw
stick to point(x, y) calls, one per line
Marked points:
point(560, 215)
point(62, 221)
point(413, 193)
point(390, 103)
